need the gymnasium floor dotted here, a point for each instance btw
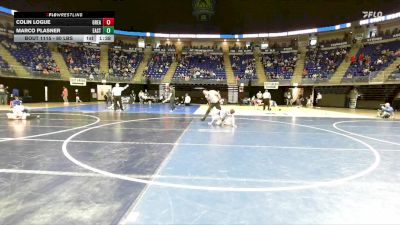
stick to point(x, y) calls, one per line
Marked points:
point(82, 164)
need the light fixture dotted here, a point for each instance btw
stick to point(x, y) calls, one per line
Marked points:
point(225, 40)
point(237, 40)
point(179, 39)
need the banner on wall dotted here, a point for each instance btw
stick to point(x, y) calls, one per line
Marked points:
point(77, 81)
point(271, 85)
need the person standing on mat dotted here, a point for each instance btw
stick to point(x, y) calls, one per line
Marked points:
point(108, 98)
point(116, 92)
point(266, 99)
point(172, 98)
point(64, 95)
point(213, 97)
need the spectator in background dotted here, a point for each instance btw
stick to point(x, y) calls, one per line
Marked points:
point(141, 96)
point(3, 95)
point(288, 97)
point(318, 99)
point(259, 95)
point(353, 59)
point(64, 95)
point(187, 99)
point(361, 59)
point(15, 92)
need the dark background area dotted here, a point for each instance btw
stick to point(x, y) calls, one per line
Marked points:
point(371, 96)
point(36, 90)
point(231, 16)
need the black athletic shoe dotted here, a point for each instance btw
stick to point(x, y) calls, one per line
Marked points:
point(202, 119)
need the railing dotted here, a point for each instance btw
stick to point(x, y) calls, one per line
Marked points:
point(394, 76)
point(7, 72)
point(358, 79)
point(113, 78)
point(12, 72)
point(312, 81)
point(372, 78)
point(198, 81)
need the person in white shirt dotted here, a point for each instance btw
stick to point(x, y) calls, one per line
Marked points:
point(259, 95)
point(229, 119)
point(318, 98)
point(288, 97)
point(19, 112)
point(116, 92)
point(213, 98)
point(187, 99)
point(266, 99)
point(141, 96)
point(223, 118)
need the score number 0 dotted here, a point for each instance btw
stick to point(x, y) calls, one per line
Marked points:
point(108, 25)
point(108, 21)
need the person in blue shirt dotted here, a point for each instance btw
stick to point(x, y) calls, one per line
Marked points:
point(16, 102)
point(386, 111)
point(19, 112)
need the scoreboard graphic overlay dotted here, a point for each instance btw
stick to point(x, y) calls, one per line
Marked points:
point(93, 27)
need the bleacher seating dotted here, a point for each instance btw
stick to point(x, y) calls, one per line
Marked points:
point(159, 64)
point(321, 64)
point(279, 66)
point(371, 59)
point(395, 75)
point(3, 64)
point(82, 61)
point(35, 57)
point(200, 66)
point(243, 66)
point(5, 68)
point(123, 64)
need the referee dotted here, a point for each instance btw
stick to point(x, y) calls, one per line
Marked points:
point(213, 97)
point(266, 99)
point(116, 92)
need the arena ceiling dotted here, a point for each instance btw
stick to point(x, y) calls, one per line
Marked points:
point(231, 16)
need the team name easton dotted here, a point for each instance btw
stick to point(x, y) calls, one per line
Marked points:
point(33, 22)
point(37, 30)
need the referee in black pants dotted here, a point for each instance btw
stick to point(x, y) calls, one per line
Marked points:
point(213, 97)
point(266, 100)
point(117, 91)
